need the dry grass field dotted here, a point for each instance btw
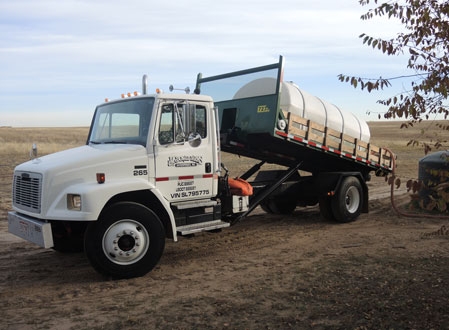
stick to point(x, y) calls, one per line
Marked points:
point(382, 271)
point(15, 147)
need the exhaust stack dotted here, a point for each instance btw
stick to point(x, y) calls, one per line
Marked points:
point(144, 84)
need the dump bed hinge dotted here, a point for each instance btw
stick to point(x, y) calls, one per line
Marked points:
point(264, 193)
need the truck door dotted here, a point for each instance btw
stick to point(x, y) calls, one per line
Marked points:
point(184, 152)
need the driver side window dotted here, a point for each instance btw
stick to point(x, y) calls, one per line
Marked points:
point(198, 118)
point(178, 121)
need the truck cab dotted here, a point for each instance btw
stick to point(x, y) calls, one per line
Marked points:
point(157, 155)
point(178, 134)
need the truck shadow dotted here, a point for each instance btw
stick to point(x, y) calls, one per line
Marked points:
point(31, 264)
point(39, 265)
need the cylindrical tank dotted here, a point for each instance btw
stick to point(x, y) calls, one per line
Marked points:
point(299, 102)
point(434, 168)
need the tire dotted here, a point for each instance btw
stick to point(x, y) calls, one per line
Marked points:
point(266, 207)
point(278, 205)
point(347, 203)
point(126, 241)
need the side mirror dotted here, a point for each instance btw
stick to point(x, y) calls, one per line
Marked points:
point(194, 139)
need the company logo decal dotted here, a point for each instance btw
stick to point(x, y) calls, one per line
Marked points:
point(184, 161)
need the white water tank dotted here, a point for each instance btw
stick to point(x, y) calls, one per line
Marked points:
point(299, 102)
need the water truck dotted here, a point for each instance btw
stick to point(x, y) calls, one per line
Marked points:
point(151, 168)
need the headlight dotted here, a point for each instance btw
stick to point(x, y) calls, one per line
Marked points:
point(74, 202)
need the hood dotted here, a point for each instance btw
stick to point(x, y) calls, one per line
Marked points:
point(80, 165)
point(75, 170)
point(83, 157)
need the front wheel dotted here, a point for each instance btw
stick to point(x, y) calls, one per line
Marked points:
point(347, 203)
point(126, 241)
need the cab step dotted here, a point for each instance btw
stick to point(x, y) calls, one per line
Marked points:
point(193, 204)
point(203, 226)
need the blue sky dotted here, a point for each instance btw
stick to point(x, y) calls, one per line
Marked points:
point(59, 58)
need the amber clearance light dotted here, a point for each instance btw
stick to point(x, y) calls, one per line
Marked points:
point(101, 177)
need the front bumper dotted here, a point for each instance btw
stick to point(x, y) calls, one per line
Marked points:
point(30, 229)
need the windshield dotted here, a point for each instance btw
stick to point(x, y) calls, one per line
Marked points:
point(125, 121)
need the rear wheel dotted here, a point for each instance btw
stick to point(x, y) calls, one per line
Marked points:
point(277, 205)
point(347, 203)
point(126, 241)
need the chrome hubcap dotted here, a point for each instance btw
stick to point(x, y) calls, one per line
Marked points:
point(125, 242)
point(352, 199)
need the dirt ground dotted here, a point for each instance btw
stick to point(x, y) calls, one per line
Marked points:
point(383, 271)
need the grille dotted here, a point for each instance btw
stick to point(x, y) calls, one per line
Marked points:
point(27, 191)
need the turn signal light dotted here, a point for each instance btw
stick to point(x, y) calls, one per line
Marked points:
point(101, 178)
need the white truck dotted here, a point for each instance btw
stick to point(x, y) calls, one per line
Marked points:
point(151, 169)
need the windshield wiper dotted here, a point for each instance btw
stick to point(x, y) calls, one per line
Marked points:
point(108, 142)
point(115, 142)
